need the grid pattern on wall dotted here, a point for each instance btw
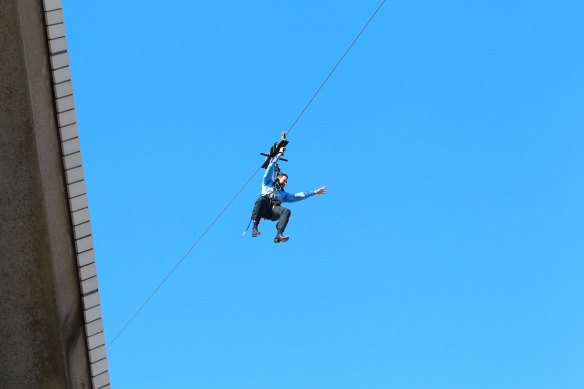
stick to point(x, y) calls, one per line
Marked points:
point(77, 196)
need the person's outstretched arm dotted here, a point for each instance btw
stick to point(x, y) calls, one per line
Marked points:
point(291, 198)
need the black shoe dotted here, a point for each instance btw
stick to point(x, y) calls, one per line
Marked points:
point(255, 233)
point(280, 238)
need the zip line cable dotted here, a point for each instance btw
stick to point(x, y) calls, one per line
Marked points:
point(182, 259)
point(335, 67)
point(176, 266)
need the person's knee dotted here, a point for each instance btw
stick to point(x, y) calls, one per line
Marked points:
point(287, 212)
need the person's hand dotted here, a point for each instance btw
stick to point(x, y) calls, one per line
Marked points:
point(320, 190)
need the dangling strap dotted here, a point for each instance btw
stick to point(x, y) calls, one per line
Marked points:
point(247, 228)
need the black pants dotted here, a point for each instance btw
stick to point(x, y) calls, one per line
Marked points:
point(263, 209)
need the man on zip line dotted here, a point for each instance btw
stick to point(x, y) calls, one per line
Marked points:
point(267, 206)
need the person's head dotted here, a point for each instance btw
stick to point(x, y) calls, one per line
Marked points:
point(282, 179)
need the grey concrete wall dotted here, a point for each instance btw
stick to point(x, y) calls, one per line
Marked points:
point(42, 333)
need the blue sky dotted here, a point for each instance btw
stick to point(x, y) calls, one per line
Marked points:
point(448, 252)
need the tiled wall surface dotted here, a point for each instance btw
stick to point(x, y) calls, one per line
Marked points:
point(67, 122)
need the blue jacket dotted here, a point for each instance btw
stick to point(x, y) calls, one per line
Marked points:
point(268, 186)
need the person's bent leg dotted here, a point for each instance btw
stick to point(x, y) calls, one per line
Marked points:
point(258, 211)
point(284, 217)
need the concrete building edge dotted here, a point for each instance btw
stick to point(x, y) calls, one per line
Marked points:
point(57, 50)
